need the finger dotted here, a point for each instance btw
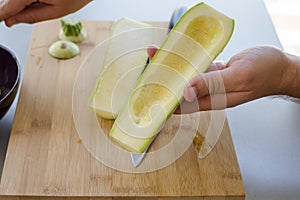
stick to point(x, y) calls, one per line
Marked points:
point(214, 102)
point(33, 14)
point(9, 8)
point(209, 83)
point(192, 91)
point(151, 50)
point(218, 65)
point(201, 85)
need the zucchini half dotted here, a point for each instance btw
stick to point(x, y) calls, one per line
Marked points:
point(191, 46)
point(125, 59)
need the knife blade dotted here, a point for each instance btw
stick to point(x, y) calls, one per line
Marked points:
point(177, 13)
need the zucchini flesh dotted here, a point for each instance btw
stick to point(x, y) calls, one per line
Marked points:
point(125, 60)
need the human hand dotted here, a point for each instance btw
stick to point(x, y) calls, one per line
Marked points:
point(251, 74)
point(31, 11)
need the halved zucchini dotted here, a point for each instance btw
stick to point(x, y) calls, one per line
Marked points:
point(195, 41)
point(125, 59)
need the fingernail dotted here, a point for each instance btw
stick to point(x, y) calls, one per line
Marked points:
point(193, 93)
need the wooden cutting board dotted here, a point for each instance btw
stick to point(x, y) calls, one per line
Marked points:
point(47, 158)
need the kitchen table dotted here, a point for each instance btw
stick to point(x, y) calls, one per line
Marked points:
point(265, 132)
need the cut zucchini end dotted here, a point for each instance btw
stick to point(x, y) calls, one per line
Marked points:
point(72, 30)
point(104, 113)
point(82, 36)
point(64, 49)
point(129, 143)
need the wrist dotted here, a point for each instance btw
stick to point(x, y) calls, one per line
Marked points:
point(292, 77)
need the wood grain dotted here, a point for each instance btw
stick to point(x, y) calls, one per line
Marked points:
point(47, 160)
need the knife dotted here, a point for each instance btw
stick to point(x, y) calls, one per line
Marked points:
point(178, 12)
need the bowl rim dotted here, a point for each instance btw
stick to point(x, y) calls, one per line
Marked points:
point(18, 75)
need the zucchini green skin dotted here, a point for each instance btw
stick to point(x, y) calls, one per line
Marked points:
point(73, 29)
point(123, 132)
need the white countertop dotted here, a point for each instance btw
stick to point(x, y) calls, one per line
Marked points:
point(266, 132)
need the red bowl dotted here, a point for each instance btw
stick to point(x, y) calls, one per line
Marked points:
point(10, 73)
